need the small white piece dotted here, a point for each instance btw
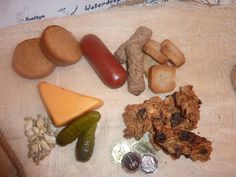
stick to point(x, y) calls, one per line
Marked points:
point(39, 122)
point(35, 130)
point(44, 145)
point(49, 139)
point(28, 125)
point(32, 137)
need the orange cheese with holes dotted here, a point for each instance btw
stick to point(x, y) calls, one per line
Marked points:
point(64, 105)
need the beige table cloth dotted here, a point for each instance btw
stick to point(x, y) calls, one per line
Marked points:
point(207, 37)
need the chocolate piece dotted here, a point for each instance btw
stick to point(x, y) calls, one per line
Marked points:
point(187, 136)
point(176, 119)
point(159, 137)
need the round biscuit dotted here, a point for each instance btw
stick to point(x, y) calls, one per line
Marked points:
point(60, 46)
point(29, 61)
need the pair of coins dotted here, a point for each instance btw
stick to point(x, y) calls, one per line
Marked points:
point(133, 157)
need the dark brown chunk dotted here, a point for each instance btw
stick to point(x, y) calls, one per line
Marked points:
point(176, 119)
point(187, 136)
point(141, 114)
point(169, 123)
point(159, 137)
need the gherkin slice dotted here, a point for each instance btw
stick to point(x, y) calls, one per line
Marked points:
point(85, 144)
point(77, 128)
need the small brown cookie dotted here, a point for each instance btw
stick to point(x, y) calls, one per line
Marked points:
point(161, 78)
point(60, 46)
point(172, 52)
point(153, 48)
point(29, 61)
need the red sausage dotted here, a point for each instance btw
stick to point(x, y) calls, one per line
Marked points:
point(103, 62)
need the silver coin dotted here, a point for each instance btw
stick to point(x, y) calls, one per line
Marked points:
point(119, 150)
point(149, 164)
point(142, 147)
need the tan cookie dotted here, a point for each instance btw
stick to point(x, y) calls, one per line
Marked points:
point(153, 48)
point(29, 61)
point(60, 46)
point(161, 78)
point(173, 53)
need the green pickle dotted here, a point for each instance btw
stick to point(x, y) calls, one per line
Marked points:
point(85, 144)
point(77, 128)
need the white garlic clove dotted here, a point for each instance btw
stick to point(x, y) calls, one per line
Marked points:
point(39, 146)
point(32, 137)
point(35, 130)
point(26, 134)
point(29, 133)
point(44, 145)
point(40, 135)
point(28, 125)
point(43, 130)
point(35, 148)
point(49, 139)
point(27, 118)
point(39, 122)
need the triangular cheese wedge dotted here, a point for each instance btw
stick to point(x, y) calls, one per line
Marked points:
point(64, 105)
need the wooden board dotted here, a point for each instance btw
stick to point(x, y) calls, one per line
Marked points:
point(206, 36)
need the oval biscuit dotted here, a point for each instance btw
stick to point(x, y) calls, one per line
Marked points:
point(60, 46)
point(29, 61)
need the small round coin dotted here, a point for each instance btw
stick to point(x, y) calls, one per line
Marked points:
point(149, 164)
point(142, 147)
point(131, 162)
point(119, 150)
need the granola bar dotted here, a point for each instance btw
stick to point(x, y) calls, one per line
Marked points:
point(169, 120)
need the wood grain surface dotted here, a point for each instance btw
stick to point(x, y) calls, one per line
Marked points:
point(207, 37)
